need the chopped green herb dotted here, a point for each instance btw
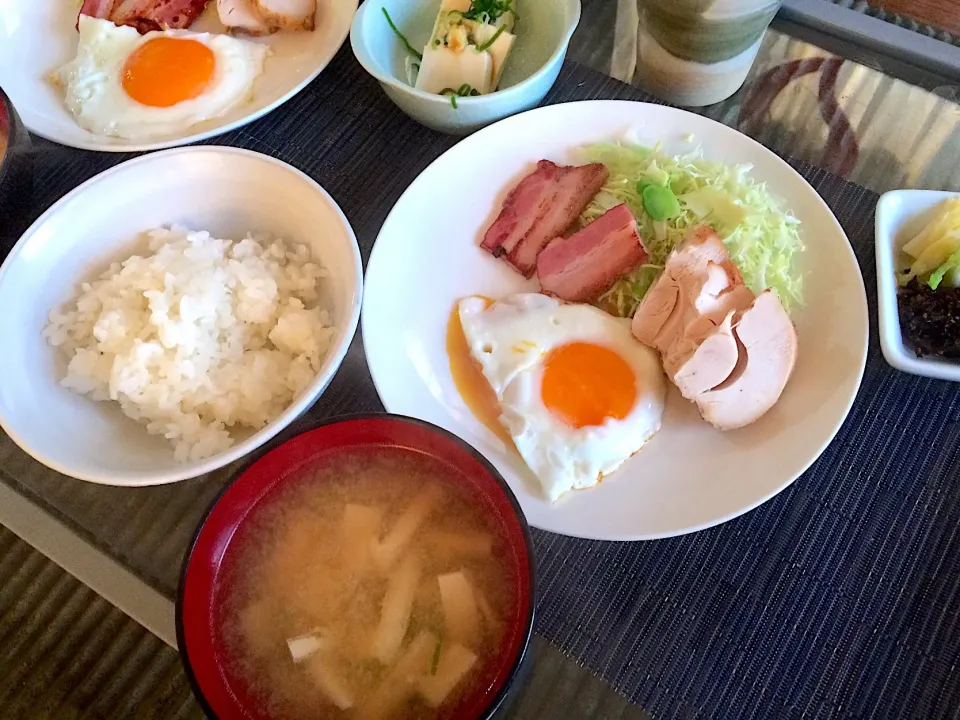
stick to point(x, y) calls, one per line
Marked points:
point(936, 277)
point(406, 43)
point(436, 658)
point(464, 90)
point(489, 43)
point(489, 11)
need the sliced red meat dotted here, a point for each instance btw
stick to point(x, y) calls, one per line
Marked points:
point(539, 209)
point(148, 15)
point(583, 266)
point(521, 209)
point(99, 9)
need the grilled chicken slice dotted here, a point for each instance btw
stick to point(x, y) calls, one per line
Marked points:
point(243, 16)
point(725, 349)
point(713, 361)
point(767, 355)
point(288, 14)
point(697, 289)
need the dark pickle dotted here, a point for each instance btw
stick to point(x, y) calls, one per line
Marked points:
point(930, 319)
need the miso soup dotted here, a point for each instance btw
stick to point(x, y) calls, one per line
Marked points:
point(372, 587)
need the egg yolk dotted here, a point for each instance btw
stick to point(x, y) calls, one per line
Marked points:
point(585, 384)
point(165, 71)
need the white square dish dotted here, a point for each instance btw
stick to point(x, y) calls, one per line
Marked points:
point(901, 214)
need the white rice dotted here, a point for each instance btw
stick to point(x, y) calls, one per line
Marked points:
point(198, 336)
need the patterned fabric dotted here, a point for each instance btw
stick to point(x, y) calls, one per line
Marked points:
point(836, 599)
point(881, 13)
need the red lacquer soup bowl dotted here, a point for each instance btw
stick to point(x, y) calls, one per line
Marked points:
point(211, 562)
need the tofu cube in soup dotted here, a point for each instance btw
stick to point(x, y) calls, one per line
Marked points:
point(303, 646)
point(398, 684)
point(459, 608)
point(454, 663)
point(361, 528)
point(333, 684)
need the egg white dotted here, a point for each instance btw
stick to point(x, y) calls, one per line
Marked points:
point(96, 98)
point(510, 340)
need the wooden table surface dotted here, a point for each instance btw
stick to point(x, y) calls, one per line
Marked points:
point(944, 14)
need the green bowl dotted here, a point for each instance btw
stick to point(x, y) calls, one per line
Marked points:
point(543, 35)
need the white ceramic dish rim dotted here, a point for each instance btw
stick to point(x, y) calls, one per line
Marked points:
point(373, 67)
point(303, 403)
point(133, 146)
point(891, 336)
point(785, 167)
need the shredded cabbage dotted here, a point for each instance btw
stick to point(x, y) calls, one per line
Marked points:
point(762, 238)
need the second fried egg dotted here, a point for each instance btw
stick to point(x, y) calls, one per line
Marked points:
point(577, 393)
point(136, 86)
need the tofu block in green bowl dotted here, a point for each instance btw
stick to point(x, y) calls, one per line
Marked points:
point(542, 32)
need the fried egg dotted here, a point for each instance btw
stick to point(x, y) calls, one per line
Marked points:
point(577, 393)
point(136, 86)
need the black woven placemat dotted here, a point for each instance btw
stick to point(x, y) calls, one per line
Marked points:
point(836, 599)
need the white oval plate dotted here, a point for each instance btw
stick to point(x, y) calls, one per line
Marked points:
point(689, 476)
point(39, 36)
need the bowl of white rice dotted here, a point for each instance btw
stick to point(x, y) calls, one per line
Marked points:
point(173, 314)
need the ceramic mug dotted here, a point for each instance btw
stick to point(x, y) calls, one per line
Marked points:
point(698, 52)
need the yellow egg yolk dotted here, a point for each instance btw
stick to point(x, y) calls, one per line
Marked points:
point(585, 384)
point(165, 71)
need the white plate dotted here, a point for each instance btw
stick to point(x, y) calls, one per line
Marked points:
point(901, 214)
point(39, 36)
point(689, 476)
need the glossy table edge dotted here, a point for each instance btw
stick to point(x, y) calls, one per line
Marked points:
point(93, 567)
point(858, 30)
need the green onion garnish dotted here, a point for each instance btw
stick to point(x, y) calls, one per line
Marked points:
point(489, 43)
point(489, 11)
point(406, 43)
point(464, 90)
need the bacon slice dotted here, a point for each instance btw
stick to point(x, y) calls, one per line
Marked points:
point(147, 15)
point(583, 266)
point(99, 9)
point(539, 209)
